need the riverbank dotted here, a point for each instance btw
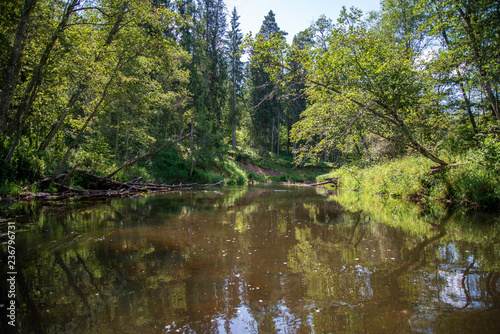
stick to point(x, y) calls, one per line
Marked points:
point(166, 172)
point(473, 181)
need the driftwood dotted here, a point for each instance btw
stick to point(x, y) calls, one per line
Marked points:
point(102, 183)
point(440, 168)
point(210, 184)
point(333, 180)
point(43, 183)
point(102, 187)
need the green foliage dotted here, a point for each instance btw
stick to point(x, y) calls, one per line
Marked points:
point(27, 165)
point(473, 180)
point(266, 94)
point(170, 166)
point(468, 32)
point(490, 153)
point(479, 179)
point(201, 176)
point(399, 177)
point(234, 171)
point(113, 88)
point(9, 189)
point(102, 85)
point(252, 176)
point(363, 79)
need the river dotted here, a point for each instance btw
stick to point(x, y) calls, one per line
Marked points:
point(253, 259)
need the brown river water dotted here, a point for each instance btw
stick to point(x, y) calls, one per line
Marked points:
point(256, 259)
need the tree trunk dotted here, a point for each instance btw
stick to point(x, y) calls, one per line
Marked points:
point(288, 139)
point(234, 115)
point(234, 134)
point(89, 118)
point(278, 134)
point(479, 63)
point(191, 146)
point(468, 106)
point(422, 150)
point(147, 155)
point(260, 150)
point(234, 103)
point(80, 89)
point(462, 87)
point(14, 66)
point(117, 135)
point(34, 84)
point(125, 152)
point(272, 136)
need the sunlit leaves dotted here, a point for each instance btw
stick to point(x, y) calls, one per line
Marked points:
point(113, 79)
point(358, 79)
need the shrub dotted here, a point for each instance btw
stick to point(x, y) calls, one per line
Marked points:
point(477, 179)
point(9, 189)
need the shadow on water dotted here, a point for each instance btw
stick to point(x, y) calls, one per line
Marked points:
point(259, 259)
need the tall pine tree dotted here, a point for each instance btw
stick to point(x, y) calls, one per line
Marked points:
point(236, 67)
point(265, 95)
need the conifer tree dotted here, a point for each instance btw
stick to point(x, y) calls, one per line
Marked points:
point(265, 95)
point(236, 67)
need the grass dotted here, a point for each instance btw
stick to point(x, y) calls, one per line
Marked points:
point(9, 189)
point(15, 189)
point(172, 166)
point(284, 164)
point(473, 181)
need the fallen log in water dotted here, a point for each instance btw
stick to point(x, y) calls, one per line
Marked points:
point(108, 184)
point(210, 184)
point(333, 180)
point(102, 183)
point(101, 187)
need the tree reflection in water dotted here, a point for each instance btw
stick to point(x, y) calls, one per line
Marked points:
point(257, 259)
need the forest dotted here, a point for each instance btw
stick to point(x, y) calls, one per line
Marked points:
point(403, 101)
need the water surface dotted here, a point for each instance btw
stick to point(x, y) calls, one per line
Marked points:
point(260, 259)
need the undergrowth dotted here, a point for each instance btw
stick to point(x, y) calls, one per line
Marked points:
point(475, 178)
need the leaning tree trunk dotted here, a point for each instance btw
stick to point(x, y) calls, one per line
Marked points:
point(278, 134)
point(36, 79)
point(14, 66)
point(94, 113)
point(391, 119)
point(81, 87)
point(479, 63)
point(147, 155)
point(462, 87)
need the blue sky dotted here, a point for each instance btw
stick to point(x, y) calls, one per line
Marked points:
point(292, 16)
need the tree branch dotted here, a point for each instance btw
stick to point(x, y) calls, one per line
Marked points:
point(147, 155)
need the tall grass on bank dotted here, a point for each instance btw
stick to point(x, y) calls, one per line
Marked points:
point(476, 179)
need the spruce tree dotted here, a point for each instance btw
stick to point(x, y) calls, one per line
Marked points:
point(236, 68)
point(265, 95)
